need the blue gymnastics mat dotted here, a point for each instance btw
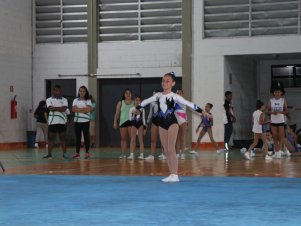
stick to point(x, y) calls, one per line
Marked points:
point(31, 200)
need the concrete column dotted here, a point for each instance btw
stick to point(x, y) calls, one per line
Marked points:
point(93, 54)
point(186, 58)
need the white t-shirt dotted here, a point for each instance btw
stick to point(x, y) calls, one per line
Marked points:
point(56, 117)
point(257, 128)
point(133, 116)
point(277, 105)
point(78, 116)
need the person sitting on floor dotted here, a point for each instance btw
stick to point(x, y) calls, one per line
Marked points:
point(290, 141)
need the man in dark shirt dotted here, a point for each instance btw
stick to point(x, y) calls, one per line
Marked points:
point(229, 118)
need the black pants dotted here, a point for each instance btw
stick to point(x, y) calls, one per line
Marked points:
point(228, 132)
point(79, 128)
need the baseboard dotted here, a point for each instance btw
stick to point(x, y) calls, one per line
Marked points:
point(207, 146)
point(16, 145)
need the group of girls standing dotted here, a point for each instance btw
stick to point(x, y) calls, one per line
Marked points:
point(277, 110)
point(169, 106)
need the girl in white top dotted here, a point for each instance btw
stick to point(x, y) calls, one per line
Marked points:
point(258, 120)
point(138, 126)
point(168, 125)
point(82, 106)
point(278, 110)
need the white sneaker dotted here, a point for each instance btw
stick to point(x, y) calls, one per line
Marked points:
point(287, 153)
point(270, 153)
point(150, 157)
point(171, 178)
point(252, 153)
point(122, 156)
point(160, 156)
point(174, 178)
point(193, 152)
point(141, 157)
point(268, 157)
point(130, 157)
point(243, 150)
point(281, 152)
point(36, 145)
point(182, 156)
point(247, 155)
point(277, 155)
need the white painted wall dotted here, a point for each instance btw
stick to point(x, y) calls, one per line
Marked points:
point(208, 62)
point(15, 67)
point(149, 58)
point(51, 60)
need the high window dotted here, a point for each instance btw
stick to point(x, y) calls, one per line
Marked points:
point(289, 75)
point(232, 18)
point(132, 20)
point(61, 21)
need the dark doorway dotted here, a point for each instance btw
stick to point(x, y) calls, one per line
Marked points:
point(110, 92)
point(69, 92)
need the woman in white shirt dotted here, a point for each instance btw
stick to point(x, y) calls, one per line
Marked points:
point(82, 106)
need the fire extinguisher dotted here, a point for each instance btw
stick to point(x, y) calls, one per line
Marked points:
point(13, 108)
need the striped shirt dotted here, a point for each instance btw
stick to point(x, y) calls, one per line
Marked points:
point(57, 117)
point(81, 117)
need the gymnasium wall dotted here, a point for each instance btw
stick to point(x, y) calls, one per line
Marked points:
point(148, 58)
point(208, 62)
point(51, 60)
point(15, 68)
point(119, 59)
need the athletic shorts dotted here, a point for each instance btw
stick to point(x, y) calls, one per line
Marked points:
point(57, 128)
point(277, 124)
point(92, 128)
point(137, 124)
point(126, 124)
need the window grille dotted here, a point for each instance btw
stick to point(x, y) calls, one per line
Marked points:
point(129, 20)
point(61, 21)
point(232, 18)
